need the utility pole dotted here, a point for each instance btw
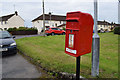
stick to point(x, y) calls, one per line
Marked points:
point(43, 19)
point(50, 17)
point(95, 45)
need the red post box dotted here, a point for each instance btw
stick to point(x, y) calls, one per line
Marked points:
point(79, 31)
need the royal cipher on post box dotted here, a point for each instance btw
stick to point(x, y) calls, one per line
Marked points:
point(79, 31)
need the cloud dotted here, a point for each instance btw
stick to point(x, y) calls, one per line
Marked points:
point(108, 11)
point(57, 0)
point(29, 10)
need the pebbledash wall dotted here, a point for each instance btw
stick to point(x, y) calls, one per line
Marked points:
point(53, 21)
point(39, 23)
point(14, 21)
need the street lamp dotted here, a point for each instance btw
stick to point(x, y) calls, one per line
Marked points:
point(96, 45)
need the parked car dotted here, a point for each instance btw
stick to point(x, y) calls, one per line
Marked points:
point(7, 44)
point(53, 31)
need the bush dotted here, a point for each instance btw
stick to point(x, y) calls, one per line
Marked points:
point(31, 29)
point(12, 29)
point(64, 29)
point(22, 29)
point(117, 30)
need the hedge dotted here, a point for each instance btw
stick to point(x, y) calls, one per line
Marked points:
point(22, 29)
point(117, 30)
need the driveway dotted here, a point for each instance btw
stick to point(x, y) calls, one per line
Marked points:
point(16, 66)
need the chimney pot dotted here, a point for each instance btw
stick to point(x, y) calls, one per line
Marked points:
point(16, 13)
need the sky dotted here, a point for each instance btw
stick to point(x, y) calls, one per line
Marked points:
point(31, 9)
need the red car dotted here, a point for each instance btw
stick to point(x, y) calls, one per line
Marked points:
point(53, 31)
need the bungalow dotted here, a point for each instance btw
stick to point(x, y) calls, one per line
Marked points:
point(11, 21)
point(117, 25)
point(50, 21)
point(104, 26)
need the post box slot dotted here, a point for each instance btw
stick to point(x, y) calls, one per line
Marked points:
point(72, 29)
point(72, 19)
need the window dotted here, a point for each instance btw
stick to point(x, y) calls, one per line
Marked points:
point(38, 21)
point(5, 22)
point(52, 25)
point(5, 28)
point(54, 28)
point(1, 22)
point(47, 22)
point(60, 22)
point(55, 24)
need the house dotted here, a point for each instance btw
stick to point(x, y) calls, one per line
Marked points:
point(104, 26)
point(11, 21)
point(117, 25)
point(62, 26)
point(50, 21)
point(60, 21)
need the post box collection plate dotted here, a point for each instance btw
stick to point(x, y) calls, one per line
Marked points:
point(71, 40)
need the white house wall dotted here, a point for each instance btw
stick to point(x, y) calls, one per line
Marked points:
point(39, 24)
point(15, 21)
point(105, 27)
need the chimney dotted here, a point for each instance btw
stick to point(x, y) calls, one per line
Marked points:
point(16, 13)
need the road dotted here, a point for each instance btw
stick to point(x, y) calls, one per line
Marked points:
point(22, 36)
point(16, 66)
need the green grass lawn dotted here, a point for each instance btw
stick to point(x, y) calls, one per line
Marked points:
point(49, 52)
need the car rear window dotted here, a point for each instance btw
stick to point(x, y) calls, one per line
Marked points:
point(54, 28)
point(47, 28)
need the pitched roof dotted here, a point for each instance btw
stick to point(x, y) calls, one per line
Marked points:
point(61, 25)
point(53, 17)
point(118, 25)
point(6, 17)
point(103, 23)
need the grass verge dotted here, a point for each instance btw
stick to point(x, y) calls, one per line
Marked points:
point(49, 53)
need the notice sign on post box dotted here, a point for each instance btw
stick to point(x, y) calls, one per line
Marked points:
point(71, 40)
point(79, 31)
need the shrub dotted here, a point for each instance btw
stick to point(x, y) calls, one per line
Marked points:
point(22, 29)
point(64, 29)
point(12, 29)
point(31, 29)
point(117, 30)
